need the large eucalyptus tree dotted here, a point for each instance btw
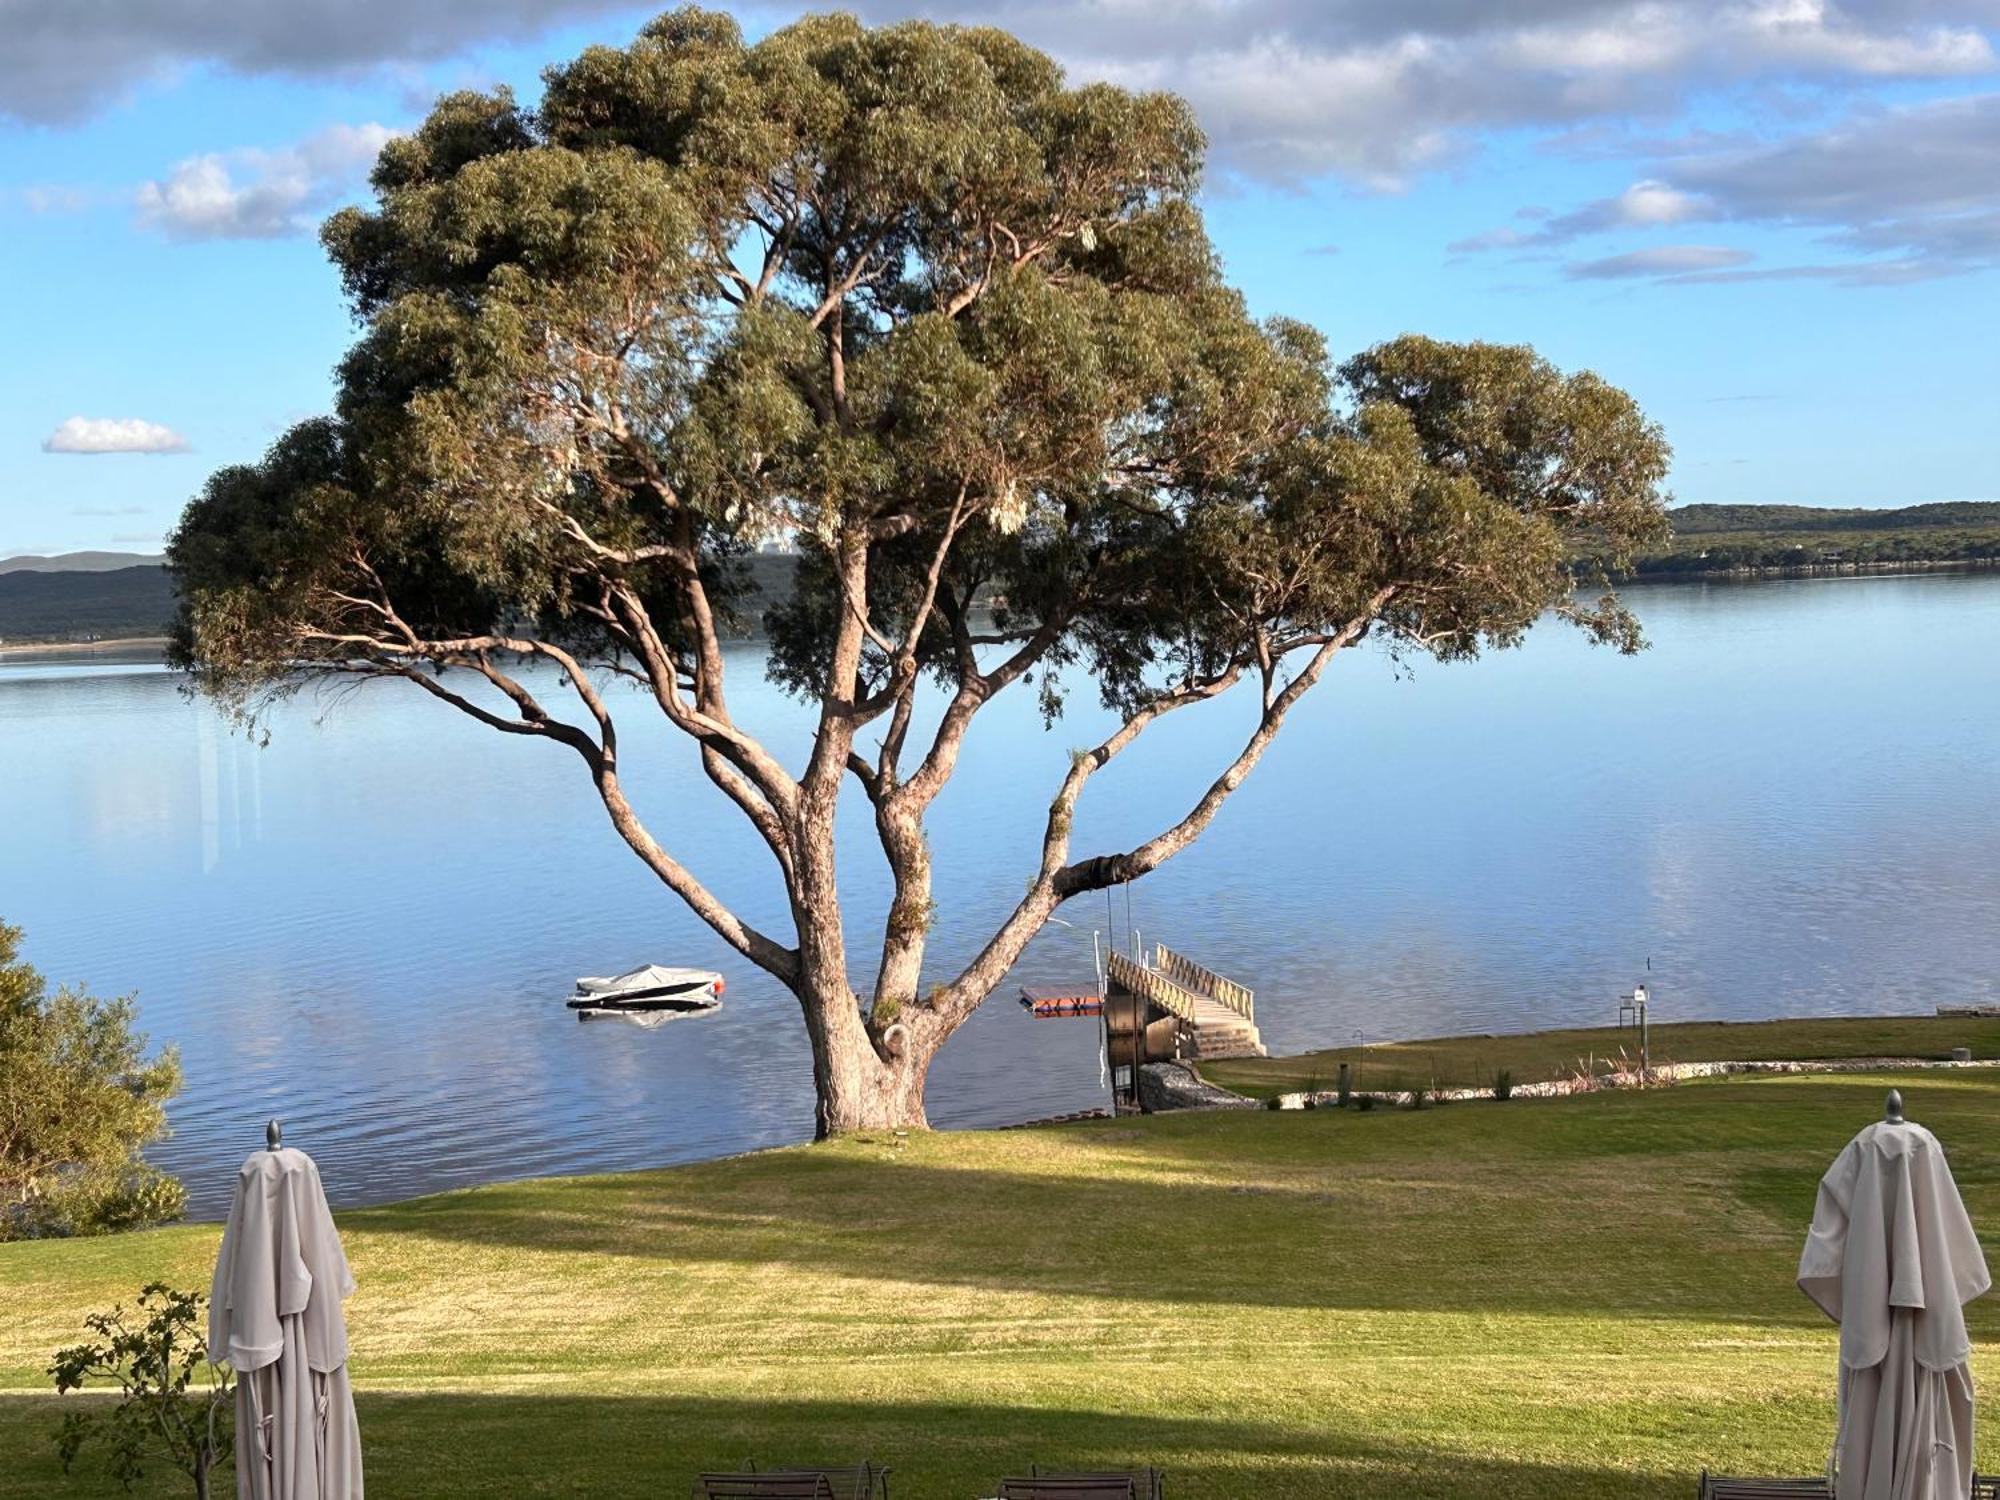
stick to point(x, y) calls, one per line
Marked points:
point(903, 295)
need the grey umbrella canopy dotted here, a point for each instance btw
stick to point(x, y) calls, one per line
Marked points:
point(1893, 1259)
point(274, 1315)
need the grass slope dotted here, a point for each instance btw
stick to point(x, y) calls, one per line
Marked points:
point(1470, 1062)
point(1585, 1297)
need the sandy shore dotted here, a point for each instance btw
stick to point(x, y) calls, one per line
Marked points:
point(124, 648)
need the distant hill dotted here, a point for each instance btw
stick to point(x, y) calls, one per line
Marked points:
point(80, 595)
point(1715, 539)
point(76, 597)
point(80, 562)
point(1705, 519)
point(125, 601)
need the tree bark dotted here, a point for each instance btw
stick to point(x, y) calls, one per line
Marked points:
point(863, 1084)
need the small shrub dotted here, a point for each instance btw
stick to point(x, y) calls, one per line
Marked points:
point(1419, 1097)
point(1364, 1102)
point(82, 1100)
point(177, 1404)
point(1503, 1084)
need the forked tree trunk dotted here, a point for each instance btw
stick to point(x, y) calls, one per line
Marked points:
point(859, 1091)
point(859, 1084)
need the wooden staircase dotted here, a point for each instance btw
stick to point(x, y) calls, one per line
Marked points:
point(1219, 1031)
point(1218, 1018)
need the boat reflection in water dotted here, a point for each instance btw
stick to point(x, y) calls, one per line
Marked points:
point(649, 995)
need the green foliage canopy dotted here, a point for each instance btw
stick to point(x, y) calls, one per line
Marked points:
point(603, 325)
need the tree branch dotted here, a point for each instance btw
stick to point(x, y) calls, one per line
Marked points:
point(1056, 882)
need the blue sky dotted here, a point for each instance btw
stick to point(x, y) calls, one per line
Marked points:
point(1776, 222)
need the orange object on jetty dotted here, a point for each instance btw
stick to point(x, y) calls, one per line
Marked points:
point(1065, 1002)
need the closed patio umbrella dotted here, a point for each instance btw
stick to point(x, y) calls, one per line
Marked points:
point(274, 1315)
point(1892, 1258)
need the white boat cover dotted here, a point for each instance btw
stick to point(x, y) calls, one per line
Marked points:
point(1892, 1258)
point(650, 977)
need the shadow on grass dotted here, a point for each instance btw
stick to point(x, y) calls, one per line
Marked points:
point(650, 1448)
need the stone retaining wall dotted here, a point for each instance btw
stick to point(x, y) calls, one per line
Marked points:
point(1168, 1086)
point(1558, 1087)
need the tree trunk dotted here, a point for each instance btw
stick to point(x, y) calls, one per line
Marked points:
point(860, 1083)
point(201, 1463)
point(860, 1090)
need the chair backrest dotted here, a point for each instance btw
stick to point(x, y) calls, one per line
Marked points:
point(1073, 1487)
point(800, 1484)
point(1986, 1487)
point(1150, 1484)
point(860, 1481)
point(1720, 1487)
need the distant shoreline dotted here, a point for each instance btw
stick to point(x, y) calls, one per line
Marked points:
point(153, 647)
point(125, 646)
point(1810, 570)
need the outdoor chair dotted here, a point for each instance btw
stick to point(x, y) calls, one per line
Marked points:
point(862, 1481)
point(1151, 1484)
point(1049, 1484)
point(1719, 1487)
point(1715, 1487)
point(778, 1485)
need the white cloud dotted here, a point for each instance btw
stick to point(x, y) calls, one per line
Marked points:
point(65, 60)
point(1906, 194)
point(1372, 91)
point(260, 194)
point(1377, 91)
point(55, 199)
point(1653, 202)
point(113, 435)
point(1669, 261)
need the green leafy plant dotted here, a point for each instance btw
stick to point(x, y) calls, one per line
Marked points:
point(81, 1099)
point(174, 1403)
point(1503, 1084)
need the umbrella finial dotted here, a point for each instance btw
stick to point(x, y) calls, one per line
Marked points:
point(273, 1134)
point(1892, 1108)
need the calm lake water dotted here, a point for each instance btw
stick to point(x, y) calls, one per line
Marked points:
point(1790, 804)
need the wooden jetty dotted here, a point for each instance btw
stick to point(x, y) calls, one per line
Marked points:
point(1215, 1017)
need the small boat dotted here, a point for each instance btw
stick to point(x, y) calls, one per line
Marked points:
point(653, 990)
point(1080, 1000)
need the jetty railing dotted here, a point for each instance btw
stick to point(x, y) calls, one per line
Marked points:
point(1190, 975)
point(1152, 985)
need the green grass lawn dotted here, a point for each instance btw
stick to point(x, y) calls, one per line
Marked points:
point(1585, 1297)
point(1473, 1061)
